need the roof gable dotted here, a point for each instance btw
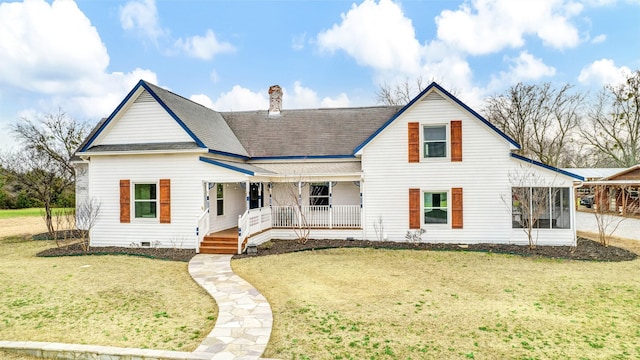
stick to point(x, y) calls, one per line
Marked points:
point(632, 173)
point(445, 94)
point(203, 125)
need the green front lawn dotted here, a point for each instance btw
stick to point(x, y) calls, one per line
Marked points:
point(30, 212)
point(119, 301)
point(407, 304)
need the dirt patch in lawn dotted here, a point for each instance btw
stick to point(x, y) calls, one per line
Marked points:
point(21, 226)
point(586, 249)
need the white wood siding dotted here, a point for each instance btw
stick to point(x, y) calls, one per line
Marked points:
point(483, 175)
point(186, 173)
point(235, 204)
point(145, 121)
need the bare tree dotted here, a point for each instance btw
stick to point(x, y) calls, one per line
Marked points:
point(541, 118)
point(613, 122)
point(401, 94)
point(87, 212)
point(43, 163)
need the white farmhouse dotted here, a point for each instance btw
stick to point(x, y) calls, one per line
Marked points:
point(169, 172)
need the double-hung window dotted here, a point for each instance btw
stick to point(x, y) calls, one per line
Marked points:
point(145, 201)
point(435, 141)
point(319, 194)
point(435, 208)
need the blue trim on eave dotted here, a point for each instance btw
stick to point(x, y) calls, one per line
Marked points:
point(126, 99)
point(104, 124)
point(450, 96)
point(173, 115)
point(224, 153)
point(303, 157)
point(226, 166)
point(548, 167)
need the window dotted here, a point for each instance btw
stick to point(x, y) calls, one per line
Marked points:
point(545, 207)
point(435, 141)
point(220, 199)
point(435, 208)
point(145, 201)
point(319, 194)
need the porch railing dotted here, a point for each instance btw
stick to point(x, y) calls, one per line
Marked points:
point(252, 222)
point(203, 227)
point(334, 217)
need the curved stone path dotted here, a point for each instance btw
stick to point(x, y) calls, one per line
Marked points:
point(241, 332)
point(244, 322)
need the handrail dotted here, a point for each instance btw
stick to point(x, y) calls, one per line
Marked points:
point(252, 222)
point(203, 228)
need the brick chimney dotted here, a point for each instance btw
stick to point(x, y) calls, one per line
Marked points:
point(275, 100)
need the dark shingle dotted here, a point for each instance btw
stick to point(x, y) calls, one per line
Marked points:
point(206, 124)
point(311, 132)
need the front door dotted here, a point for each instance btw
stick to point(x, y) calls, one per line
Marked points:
point(255, 195)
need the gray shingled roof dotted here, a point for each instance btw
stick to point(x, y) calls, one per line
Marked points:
point(206, 124)
point(312, 132)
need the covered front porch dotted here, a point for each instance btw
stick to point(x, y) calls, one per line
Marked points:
point(264, 210)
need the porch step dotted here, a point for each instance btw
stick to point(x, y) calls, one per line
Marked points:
point(219, 245)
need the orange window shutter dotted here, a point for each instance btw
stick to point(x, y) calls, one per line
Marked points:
point(414, 142)
point(456, 208)
point(414, 208)
point(125, 201)
point(456, 140)
point(165, 201)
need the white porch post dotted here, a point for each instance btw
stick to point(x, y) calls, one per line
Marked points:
point(270, 196)
point(300, 203)
point(330, 205)
point(362, 209)
point(260, 204)
point(247, 190)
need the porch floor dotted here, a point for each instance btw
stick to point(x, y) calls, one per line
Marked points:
point(231, 233)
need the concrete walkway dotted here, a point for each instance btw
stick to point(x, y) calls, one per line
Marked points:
point(241, 332)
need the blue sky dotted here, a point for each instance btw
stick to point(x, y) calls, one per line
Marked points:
point(84, 56)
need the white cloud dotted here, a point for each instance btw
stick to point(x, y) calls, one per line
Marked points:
point(298, 41)
point(213, 75)
point(54, 53)
point(203, 47)
point(525, 67)
point(603, 72)
point(305, 98)
point(240, 98)
point(376, 35)
point(142, 17)
point(338, 102)
point(488, 26)
point(599, 39)
point(202, 99)
point(48, 48)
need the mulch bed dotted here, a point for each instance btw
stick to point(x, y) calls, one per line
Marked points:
point(152, 253)
point(586, 250)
